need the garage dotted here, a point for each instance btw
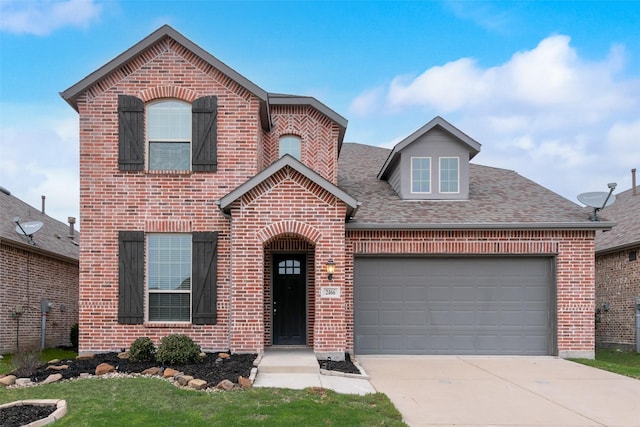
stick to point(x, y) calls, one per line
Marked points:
point(458, 305)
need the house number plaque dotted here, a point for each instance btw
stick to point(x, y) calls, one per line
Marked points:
point(330, 292)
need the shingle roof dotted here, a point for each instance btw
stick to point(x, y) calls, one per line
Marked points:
point(625, 212)
point(51, 238)
point(498, 198)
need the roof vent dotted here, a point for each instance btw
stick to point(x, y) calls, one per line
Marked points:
point(5, 191)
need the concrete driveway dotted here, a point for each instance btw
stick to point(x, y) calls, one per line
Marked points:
point(503, 391)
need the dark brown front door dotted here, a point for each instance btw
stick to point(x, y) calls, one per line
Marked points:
point(289, 299)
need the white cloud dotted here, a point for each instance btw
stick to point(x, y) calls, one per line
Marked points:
point(42, 17)
point(568, 123)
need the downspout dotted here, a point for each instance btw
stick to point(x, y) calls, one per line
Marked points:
point(228, 216)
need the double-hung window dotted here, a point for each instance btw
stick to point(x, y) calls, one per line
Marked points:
point(421, 174)
point(169, 277)
point(449, 175)
point(169, 135)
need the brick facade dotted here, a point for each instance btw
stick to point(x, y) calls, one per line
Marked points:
point(573, 252)
point(26, 278)
point(618, 284)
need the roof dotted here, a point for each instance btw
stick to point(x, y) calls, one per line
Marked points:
point(287, 161)
point(51, 239)
point(472, 144)
point(498, 199)
point(72, 94)
point(625, 211)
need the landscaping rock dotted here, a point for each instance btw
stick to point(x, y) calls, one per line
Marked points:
point(223, 355)
point(244, 382)
point(24, 382)
point(198, 384)
point(124, 355)
point(52, 361)
point(225, 385)
point(170, 373)
point(183, 380)
point(86, 356)
point(52, 379)
point(7, 380)
point(152, 371)
point(58, 368)
point(104, 368)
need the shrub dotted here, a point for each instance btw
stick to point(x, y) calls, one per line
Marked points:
point(142, 349)
point(177, 349)
point(25, 362)
point(74, 336)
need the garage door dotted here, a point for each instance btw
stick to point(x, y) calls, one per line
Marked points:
point(484, 306)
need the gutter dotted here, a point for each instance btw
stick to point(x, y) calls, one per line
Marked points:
point(599, 225)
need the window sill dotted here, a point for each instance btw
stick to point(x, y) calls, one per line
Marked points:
point(174, 325)
point(168, 172)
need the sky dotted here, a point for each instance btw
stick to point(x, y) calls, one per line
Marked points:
point(551, 89)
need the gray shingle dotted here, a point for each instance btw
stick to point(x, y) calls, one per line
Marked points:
point(498, 198)
point(625, 212)
point(52, 237)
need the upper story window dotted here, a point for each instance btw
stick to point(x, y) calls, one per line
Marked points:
point(449, 175)
point(290, 144)
point(421, 174)
point(169, 135)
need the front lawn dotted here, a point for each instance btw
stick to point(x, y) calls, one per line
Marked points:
point(143, 401)
point(621, 362)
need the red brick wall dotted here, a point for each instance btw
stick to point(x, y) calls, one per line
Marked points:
point(574, 268)
point(26, 277)
point(617, 285)
point(288, 204)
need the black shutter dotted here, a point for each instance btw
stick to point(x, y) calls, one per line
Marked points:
point(130, 133)
point(131, 277)
point(205, 270)
point(204, 122)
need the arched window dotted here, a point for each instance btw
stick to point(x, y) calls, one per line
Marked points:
point(290, 144)
point(169, 135)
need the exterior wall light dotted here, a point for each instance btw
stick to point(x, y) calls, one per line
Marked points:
point(331, 268)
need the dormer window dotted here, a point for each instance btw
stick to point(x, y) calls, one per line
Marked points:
point(421, 174)
point(449, 175)
point(290, 144)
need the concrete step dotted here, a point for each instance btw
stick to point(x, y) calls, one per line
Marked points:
point(289, 361)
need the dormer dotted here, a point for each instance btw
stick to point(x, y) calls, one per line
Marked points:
point(431, 164)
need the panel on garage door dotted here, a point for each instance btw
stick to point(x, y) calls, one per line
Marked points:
point(484, 306)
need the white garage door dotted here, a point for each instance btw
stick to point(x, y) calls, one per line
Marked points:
point(478, 305)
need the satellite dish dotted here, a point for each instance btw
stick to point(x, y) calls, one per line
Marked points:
point(597, 199)
point(28, 229)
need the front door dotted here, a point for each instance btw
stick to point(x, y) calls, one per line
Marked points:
point(289, 303)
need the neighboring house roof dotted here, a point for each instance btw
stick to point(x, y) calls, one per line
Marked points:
point(53, 238)
point(474, 146)
point(625, 211)
point(72, 94)
point(498, 199)
point(287, 161)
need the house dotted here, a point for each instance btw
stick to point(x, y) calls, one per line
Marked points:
point(618, 273)
point(41, 264)
point(240, 217)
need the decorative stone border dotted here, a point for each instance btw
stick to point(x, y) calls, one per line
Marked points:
point(61, 410)
point(362, 375)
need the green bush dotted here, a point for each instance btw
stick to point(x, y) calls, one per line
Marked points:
point(142, 349)
point(177, 349)
point(74, 336)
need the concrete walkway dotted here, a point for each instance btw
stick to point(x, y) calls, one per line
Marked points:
point(504, 391)
point(299, 369)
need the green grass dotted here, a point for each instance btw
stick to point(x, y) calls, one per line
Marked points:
point(145, 401)
point(621, 362)
point(48, 354)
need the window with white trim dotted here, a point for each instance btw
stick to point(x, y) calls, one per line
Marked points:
point(290, 144)
point(169, 135)
point(449, 175)
point(421, 174)
point(169, 277)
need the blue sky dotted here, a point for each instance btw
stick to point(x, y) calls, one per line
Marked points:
point(551, 89)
